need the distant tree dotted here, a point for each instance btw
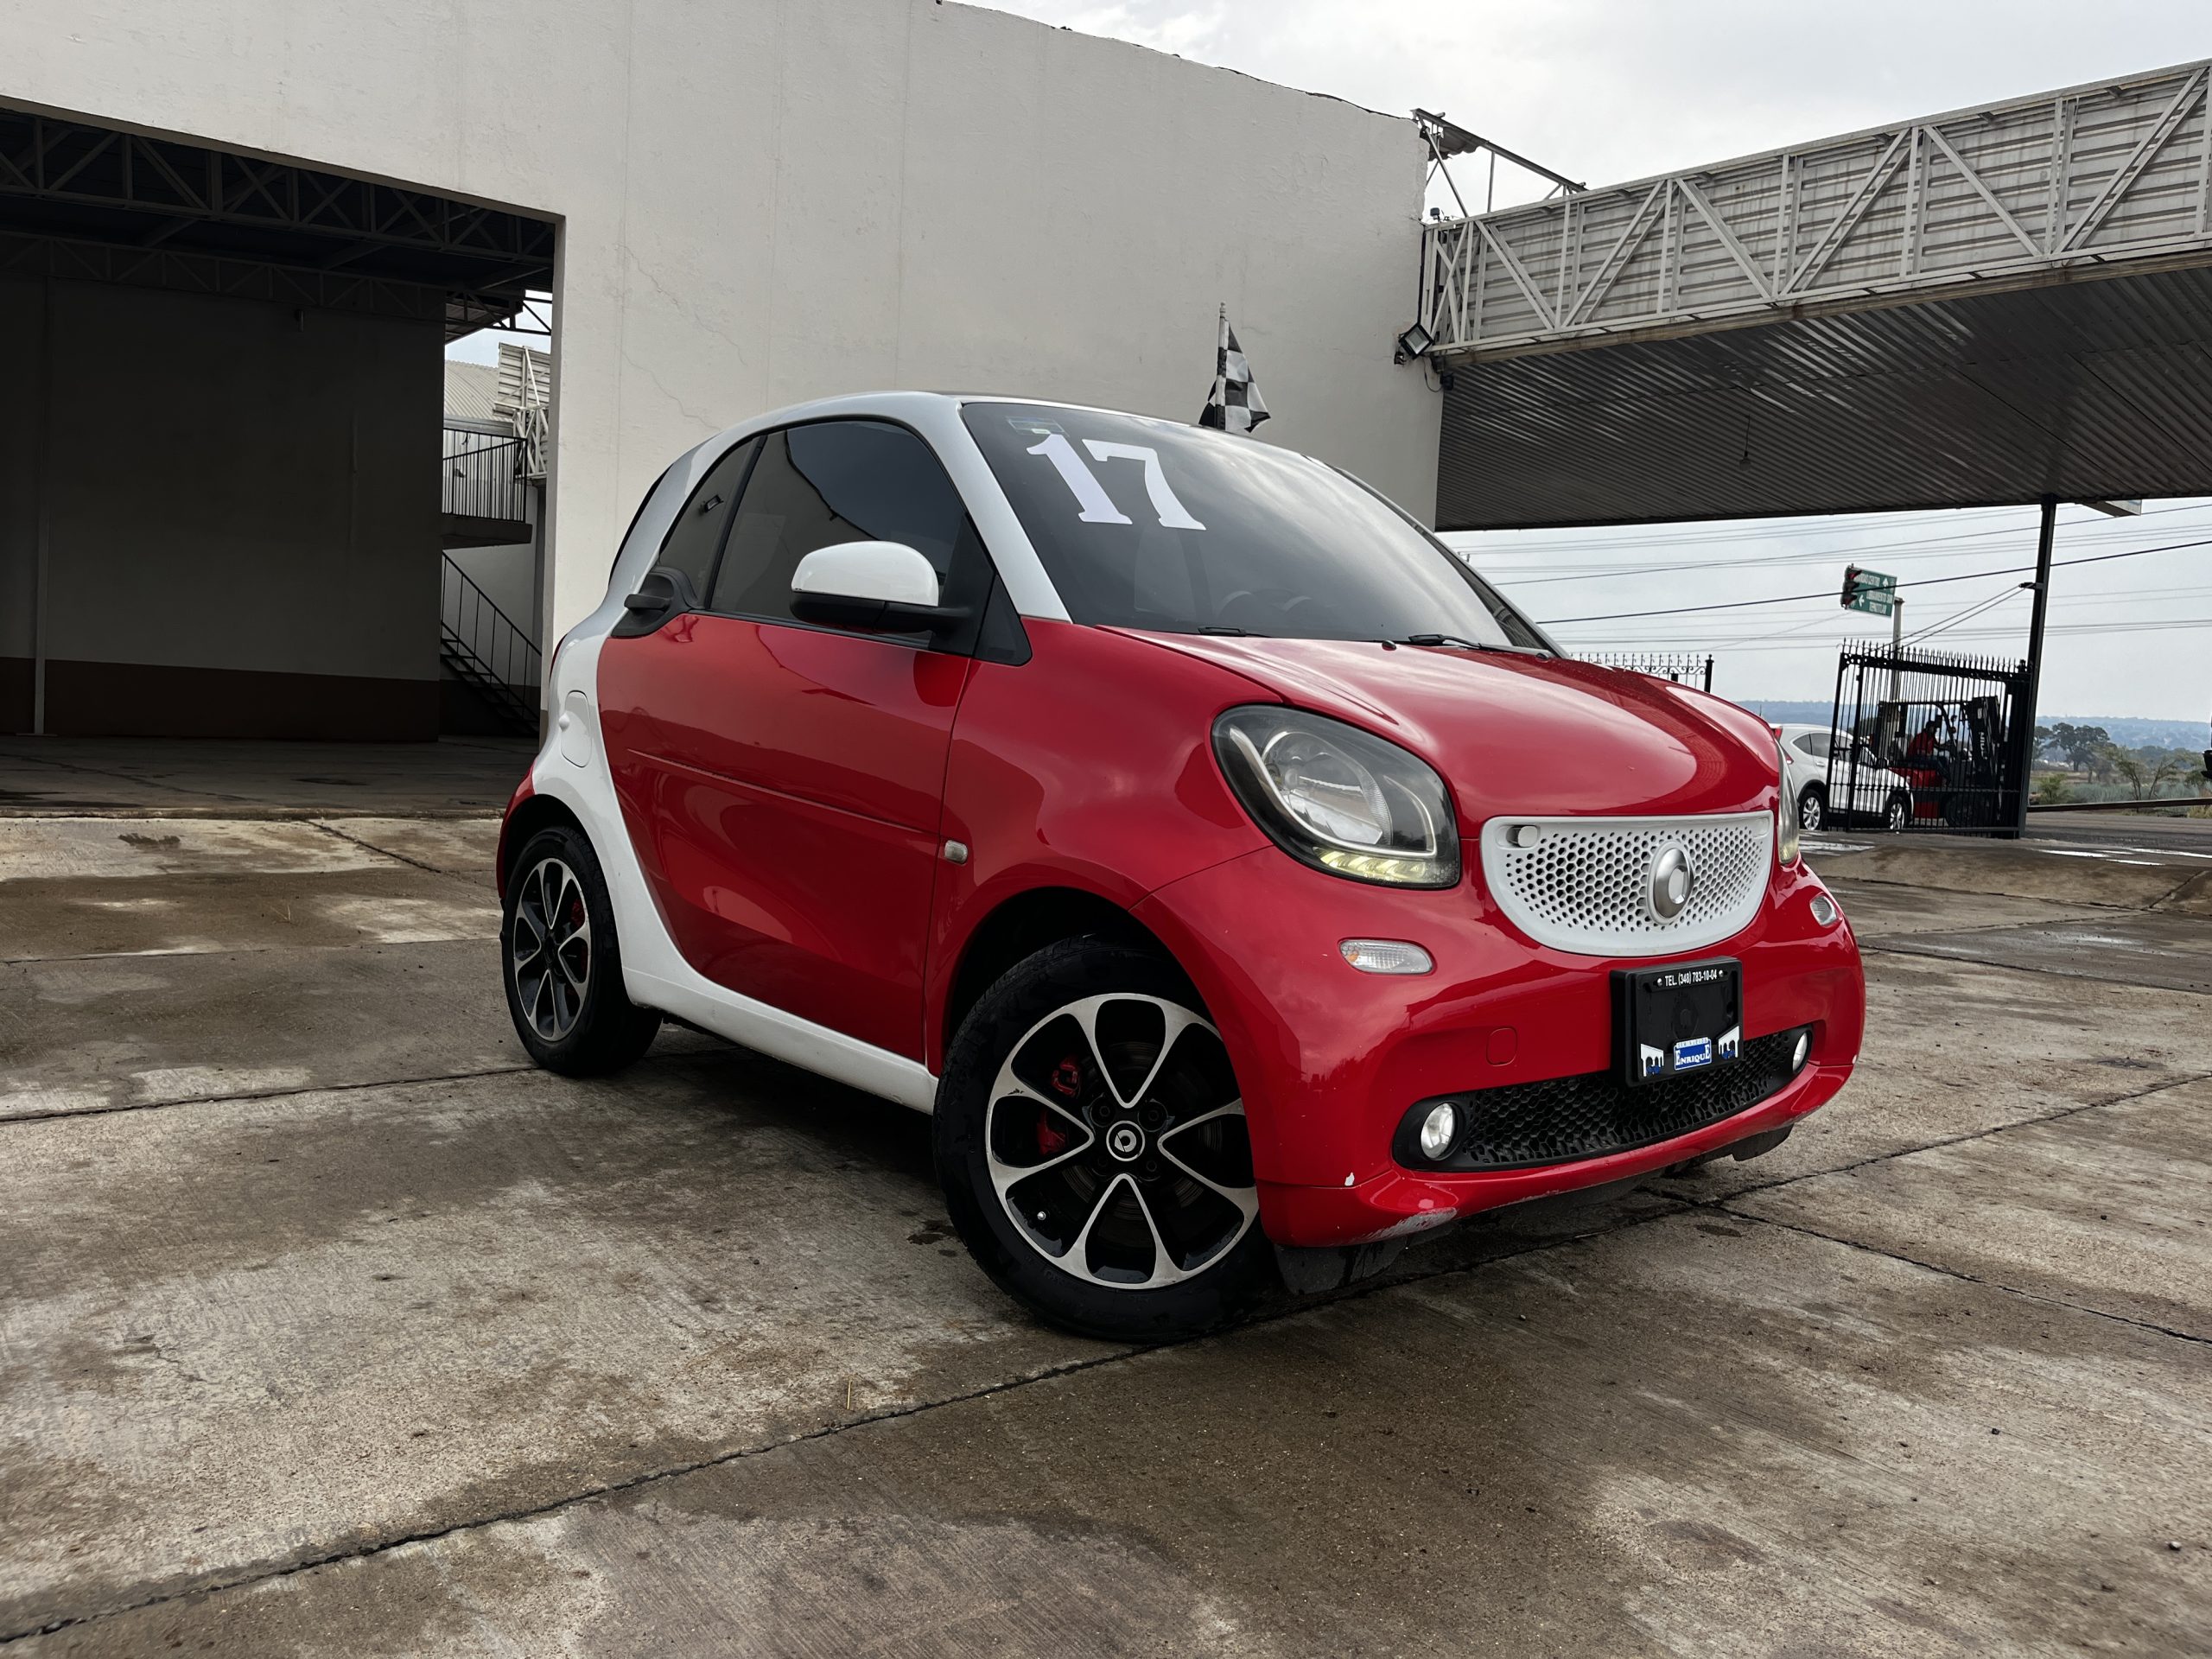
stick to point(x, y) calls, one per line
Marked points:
point(2042, 741)
point(2144, 779)
point(2081, 744)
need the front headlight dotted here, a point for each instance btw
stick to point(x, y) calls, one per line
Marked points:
point(1785, 815)
point(1339, 798)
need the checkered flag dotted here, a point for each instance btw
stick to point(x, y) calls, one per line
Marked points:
point(1235, 404)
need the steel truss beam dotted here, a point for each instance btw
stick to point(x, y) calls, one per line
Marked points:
point(461, 313)
point(179, 215)
point(2118, 170)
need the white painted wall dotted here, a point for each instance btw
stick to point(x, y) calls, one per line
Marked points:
point(765, 201)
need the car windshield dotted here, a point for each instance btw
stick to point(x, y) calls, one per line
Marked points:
point(1145, 523)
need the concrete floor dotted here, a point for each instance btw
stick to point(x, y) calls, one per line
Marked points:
point(202, 777)
point(329, 1328)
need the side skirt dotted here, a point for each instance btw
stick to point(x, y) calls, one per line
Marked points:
point(785, 1037)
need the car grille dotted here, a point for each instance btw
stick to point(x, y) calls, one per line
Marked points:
point(1584, 884)
point(1564, 1119)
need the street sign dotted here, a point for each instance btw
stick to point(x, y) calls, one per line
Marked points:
point(1869, 591)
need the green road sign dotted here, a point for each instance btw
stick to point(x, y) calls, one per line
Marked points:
point(1869, 591)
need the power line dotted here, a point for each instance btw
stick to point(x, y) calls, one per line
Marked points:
point(1920, 548)
point(1828, 524)
point(1957, 617)
point(1922, 581)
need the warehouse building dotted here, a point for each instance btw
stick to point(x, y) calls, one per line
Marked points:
point(234, 241)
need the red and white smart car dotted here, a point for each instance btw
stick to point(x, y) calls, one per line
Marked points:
point(1243, 883)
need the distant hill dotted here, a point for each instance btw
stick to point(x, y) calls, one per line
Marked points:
point(2127, 730)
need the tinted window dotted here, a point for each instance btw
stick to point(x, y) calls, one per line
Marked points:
point(1149, 524)
point(692, 540)
point(1815, 744)
point(835, 481)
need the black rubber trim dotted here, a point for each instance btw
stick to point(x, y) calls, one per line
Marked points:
point(1565, 1120)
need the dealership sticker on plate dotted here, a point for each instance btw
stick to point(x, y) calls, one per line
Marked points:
point(1693, 1051)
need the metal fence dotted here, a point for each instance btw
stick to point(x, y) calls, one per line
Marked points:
point(484, 477)
point(1684, 668)
point(1925, 742)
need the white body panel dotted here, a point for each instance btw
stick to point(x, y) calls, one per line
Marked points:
point(571, 768)
point(654, 972)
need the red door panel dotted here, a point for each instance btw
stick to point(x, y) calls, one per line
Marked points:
point(782, 785)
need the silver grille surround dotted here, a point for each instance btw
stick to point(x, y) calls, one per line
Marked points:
point(1584, 884)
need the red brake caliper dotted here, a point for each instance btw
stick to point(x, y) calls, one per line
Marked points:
point(1067, 1082)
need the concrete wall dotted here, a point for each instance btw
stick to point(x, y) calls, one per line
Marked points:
point(764, 200)
point(240, 503)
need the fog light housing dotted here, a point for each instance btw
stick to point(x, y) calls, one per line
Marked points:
point(1439, 1130)
point(1386, 957)
point(1798, 1055)
point(1824, 910)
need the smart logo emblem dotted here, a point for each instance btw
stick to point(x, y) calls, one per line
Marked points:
point(1673, 880)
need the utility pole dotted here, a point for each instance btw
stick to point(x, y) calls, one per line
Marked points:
point(2023, 714)
point(1897, 651)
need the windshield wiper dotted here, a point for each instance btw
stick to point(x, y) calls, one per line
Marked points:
point(1230, 634)
point(1455, 640)
point(1459, 642)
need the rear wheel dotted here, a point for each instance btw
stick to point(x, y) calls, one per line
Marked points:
point(1897, 814)
point(1812, 808)
point(563, 964)
point(1092, 1144)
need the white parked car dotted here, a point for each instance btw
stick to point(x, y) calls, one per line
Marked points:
point(1838, 779)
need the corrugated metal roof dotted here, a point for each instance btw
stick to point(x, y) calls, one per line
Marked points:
point(1981, 307)
point(472, 392)
point(2085, 388)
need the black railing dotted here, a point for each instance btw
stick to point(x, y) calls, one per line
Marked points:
point(484, 477)
point(480, 644)
point(1684, 668)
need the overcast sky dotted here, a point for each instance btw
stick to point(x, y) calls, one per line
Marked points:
point(1607, 91)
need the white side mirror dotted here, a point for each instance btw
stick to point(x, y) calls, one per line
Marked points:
point(885, 586)
point(883, 573)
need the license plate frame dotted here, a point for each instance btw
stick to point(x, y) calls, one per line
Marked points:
point(1678, 1019)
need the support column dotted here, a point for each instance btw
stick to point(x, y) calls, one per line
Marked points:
point(42, 468)
point(2024, 711)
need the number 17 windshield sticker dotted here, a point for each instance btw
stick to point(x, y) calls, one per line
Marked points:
point(1095, 507)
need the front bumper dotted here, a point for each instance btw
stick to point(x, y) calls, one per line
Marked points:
point(1329, 1059)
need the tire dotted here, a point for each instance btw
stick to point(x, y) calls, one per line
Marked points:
point(568, 1004)
point(1087, 1092)
point(1812, 809)
point(1897, 813)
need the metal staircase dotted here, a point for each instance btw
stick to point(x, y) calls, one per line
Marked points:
point(480, 645)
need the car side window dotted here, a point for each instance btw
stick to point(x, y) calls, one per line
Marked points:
point(1813, 744)
point(697, 536)
point(833, 482)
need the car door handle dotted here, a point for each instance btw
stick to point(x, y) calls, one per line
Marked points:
point(662, 593)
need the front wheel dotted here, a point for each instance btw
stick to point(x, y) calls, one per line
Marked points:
point(1812, 808)
point(563, 965)
point(1896, 815)
point(1092, 1144)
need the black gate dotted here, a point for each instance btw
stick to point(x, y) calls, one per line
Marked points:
point(1924, 740)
